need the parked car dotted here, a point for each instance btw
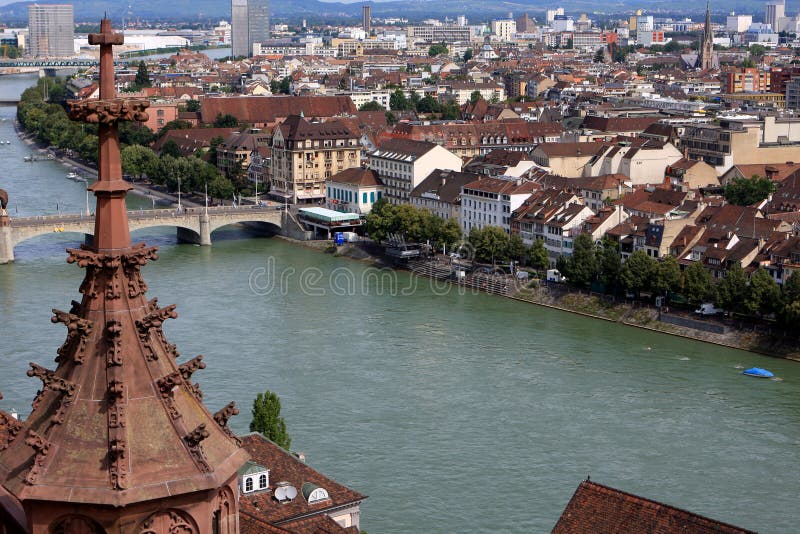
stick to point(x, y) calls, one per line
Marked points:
point(708, 309)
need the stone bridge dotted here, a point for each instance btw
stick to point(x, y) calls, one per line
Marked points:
point(194, 225)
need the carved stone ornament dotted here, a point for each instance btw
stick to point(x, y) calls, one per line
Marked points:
point(193, 440)
point(222, 417)
point(53, 383)
point(78, 331)
point(108, 111)
point(41, 448)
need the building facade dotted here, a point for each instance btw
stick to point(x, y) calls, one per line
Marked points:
point(51, 30)
point(402, 164)
point(306, 153)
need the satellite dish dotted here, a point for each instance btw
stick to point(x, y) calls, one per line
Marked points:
point(291, 492)
point(280, 494)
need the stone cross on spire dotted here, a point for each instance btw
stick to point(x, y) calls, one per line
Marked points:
point(111, 220)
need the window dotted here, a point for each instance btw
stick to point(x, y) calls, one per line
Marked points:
point(248, 484)
point(262, 481)
point(372, 196)
point(364, 198)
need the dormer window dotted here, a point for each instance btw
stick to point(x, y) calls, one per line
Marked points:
point(314, 493)
point(253, 477)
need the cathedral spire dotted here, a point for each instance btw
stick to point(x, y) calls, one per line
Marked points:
point(705, 60)
point(118, 432)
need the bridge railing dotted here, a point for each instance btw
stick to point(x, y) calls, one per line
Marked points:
point(164, 213)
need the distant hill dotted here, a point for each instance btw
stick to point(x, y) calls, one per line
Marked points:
point(316, 11)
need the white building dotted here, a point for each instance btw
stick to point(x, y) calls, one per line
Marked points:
point(353, 190)
point(402, 164)
point(490, 202)
point(738, 23)
point(550, 16)
point(504, 29)
point(563, 23)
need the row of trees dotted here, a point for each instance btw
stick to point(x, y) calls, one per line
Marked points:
point(412, 224)
point(49, 122)
point(189, 173)
point(398, 101)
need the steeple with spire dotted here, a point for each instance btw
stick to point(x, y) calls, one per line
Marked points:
point(118, 439)
point(705, 60)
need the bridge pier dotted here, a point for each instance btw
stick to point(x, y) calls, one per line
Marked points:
point(205, 230)
point(6, 240)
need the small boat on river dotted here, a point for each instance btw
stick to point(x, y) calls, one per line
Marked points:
point(758, 372)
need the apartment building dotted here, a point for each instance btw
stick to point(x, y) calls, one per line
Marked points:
point(306, 153)
point(491, 201)
point(402, 164)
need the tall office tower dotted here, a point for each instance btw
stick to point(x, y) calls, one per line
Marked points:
point(52, 30)
point(776, 10)
point(258, 16)
point(249, 24)
point(240, 33)
point(525, 24)
point(551, 14)
point(366, 19)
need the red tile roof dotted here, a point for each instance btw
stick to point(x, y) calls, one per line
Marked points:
point(285, 467)
point(269, 109)
point(598, 509)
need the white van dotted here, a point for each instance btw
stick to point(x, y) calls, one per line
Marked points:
point(553, 275)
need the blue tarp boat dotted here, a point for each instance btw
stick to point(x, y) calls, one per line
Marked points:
point(757, 372)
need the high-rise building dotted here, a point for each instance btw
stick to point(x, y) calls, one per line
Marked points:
point(504, 29)
point(258, 18)
point(240, 34)
point(51, 29)
point(776, 10)
point(366, 19)
point(249, 24)
point(526, 24)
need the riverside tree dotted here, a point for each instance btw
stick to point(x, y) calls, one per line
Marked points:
point(267, 419)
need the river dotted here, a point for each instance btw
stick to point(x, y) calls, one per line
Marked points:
point(453, 412)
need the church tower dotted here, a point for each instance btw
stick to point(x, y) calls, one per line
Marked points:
point(705, 60)
point(119, 440)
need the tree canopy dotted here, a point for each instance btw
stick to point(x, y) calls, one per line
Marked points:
point(267, 419)
point(748, 191)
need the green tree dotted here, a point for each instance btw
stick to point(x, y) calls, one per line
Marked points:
point(171, 148)
point(372, 105)
point(599, 56)
point(391, 118)
point(697, 283)
point(763, 295)
point(267, 419)
point(582, 265)
point(748, 191)
point(438, 49)
point(142, 76)
point(192, 105)
point(517, 250)
point(468, 53)
point(286, 85)
point(610, 263)
point(450, 111)
point(757, 50)
point(538, 254)
point(667, 276)
point(220, 187)
point(380, 220)
point(490, 243)
point(131, 133)
point(226, 121)
point(673, 46)
point(475, 96)
point(450, 233)
point(428, 105)
point(176, 124)
point(637, 271)
point(398, 101)
point(409, 222)
point(137, 160)
point(732, 289)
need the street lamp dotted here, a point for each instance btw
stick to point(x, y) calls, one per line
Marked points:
point(179, 195)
